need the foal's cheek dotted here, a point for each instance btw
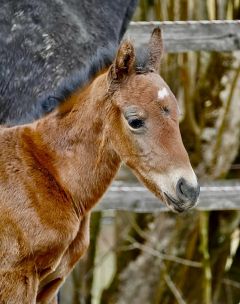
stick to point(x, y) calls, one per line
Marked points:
point(120, 140)
point(143, 146)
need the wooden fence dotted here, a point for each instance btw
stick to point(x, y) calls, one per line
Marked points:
point(221, 195)
point(183, 36)
point(180, 36)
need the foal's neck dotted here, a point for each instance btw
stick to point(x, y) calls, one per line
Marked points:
point(76, 142)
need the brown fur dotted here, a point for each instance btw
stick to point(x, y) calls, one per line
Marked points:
point(53, 171)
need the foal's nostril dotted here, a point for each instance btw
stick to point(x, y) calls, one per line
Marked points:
point(180, 186)
point(186, 191)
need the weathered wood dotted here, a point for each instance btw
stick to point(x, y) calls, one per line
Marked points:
point(222, 195)
point(182, 36)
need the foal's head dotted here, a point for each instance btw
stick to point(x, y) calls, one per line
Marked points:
point(144, 126)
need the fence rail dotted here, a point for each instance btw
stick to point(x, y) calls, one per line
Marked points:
point(222, 195)
point(183, 36)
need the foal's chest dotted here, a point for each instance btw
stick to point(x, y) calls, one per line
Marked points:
point(34, 236)
point(50, 249)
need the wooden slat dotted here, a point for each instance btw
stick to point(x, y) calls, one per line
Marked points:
point(185, 36)
point(134, 197)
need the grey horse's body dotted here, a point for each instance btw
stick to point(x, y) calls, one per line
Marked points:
point(43, 42)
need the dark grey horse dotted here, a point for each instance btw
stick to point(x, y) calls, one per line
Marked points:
point(43, 42)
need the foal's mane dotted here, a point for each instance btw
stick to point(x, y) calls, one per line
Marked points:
point(101, 60)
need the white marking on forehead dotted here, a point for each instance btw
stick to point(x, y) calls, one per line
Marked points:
point(162, 93)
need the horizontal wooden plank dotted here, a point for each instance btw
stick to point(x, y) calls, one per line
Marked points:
point(183, 36)
point(224, 195)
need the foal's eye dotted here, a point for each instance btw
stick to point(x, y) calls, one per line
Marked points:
point(135, 123)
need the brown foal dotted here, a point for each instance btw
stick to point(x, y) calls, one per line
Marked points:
point(54, 170)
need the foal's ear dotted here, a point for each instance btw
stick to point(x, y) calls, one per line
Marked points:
point(124, 62)
point(155, 49)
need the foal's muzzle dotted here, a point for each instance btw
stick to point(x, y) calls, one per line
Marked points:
point(187, 196)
